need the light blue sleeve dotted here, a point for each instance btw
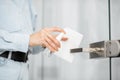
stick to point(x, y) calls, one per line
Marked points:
point(11, 22)
point(14, 41)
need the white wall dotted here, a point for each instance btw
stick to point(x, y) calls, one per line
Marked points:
point(89, 17)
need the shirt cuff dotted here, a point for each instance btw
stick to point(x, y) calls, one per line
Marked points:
point(19, 42)
point(22, 43)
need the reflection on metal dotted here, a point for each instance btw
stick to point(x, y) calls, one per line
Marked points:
point(101, 49)
point(96, 50)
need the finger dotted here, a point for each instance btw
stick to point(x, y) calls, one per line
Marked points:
point(64, 39)
point(49, 47)
point(55, 41)
point(56, 29)
point(51, 44)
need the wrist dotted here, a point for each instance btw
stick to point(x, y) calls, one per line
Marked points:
point(35, 41)
point(31, 41)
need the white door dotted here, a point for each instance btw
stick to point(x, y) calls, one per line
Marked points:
point(89, 17)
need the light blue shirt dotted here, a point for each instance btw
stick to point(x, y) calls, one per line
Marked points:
point(17, 22)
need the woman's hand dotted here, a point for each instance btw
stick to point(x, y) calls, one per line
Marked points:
point(46, 39)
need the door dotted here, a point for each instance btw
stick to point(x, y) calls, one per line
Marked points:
point(89, 17)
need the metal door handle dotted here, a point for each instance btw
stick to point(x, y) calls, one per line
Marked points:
point(101, 49)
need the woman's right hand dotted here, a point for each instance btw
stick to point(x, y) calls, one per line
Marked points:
point(46, 39)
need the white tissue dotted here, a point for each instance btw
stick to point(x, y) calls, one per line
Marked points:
point(74, 40)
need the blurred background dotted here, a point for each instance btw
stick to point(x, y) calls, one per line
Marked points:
point(89, 17)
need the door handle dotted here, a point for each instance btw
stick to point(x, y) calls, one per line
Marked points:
point(103, 49)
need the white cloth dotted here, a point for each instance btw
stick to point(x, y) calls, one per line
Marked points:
point(74, 40)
